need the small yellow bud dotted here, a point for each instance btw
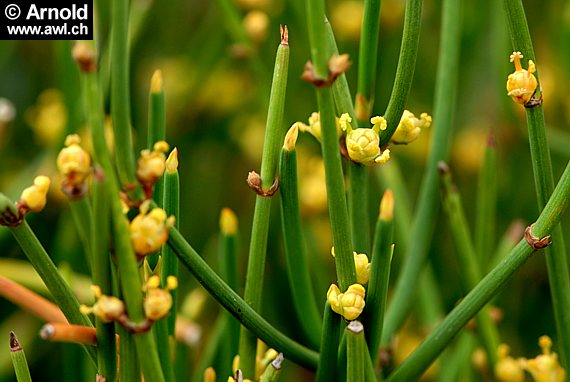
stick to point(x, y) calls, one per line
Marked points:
point(344, 122)
point(315, 125)
point(228, 222)
point(363, 146)
point(362, 268)
point(521, 84)
point(34, 197)
point(545, 367)
point(410, 127)
point(157, 302)
point(291, 137)
point(379, 123)
point(387, 206)
point(73, 162)
point(149, 231)
point(235, 364)
point(507, 368)
point(107, 308)
point(156, 82)
point(172, 162)
point(256, 23)
point(210, 375)
point(348, 304)
point(151, 164)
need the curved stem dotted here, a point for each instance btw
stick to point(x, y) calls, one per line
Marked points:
point(237, 306)
point(429, 350)
point(405, 70)
point(424, 221)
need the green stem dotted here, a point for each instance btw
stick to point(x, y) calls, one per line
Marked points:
point(258, 246)
point(327, 370)
point(106, 342)
point(425, 218)
point(405, 69)
point(367, 58)
point(429, 350)
point(170, 264)
point(467, 259)
point(208, 355)
point(163, 342)
point(83, 216)
point(156, 129)
point(272, 371)
point(129, 368)
point(486, 204)
point(120, 98)
point(556, 261)
point(19, 360)
point(355, 352)
point(377, 293)
point(59, 289)
point(237, 306)
point(296, 255)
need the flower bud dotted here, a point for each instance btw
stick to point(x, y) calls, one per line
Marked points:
point(362, 268)
point(410, 127)
point(149, 231)
point(157, 302)
point(74, 163)
point(107, 308)
point(521, 84)
point(545, 367)
point(507, 368)
point(363, 146)
point(348, 304)
point(34, 197)
point(151, 164)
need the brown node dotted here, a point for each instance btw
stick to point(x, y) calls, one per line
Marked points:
point(254, 182)
point(135, 327)
point(337, 65)
point(534, 101)
point(536, 243)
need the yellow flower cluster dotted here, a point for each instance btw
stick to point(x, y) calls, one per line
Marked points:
point(107, 308)
point(157, 302)
point(74, 163)
point(543, 368)
point(410, 127)
point(34, 198)
point(521, 84)
point(151, 165)
point(363, 144)
point(349, 304)
point(149, 229)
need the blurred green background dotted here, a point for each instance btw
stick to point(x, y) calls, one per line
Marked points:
point(216, 98)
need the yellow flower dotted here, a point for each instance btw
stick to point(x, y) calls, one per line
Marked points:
point(545, 367)
point(107, 308)
point(363, 144)
point(34, 197)
point(74, 163)
point(521, 84)
point(410, 127)
point(151, 164)
point(361, 265)
point(507, 368)
point(157, 302)
point(348, 304)
point(149, 230)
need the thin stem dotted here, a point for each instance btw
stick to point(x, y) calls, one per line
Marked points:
point(83, 217)
point(208, 355)
point(429, 350)
point(329, 346)
point(367, 59)
point(486, 203)
point(129, 368)
point(231, 301)
point(468, 261)
point(556, 260)
point(355, 352)
point(58, 287)
point(59, 332)
point(258, 246)
point(272, 371)
point(107, 348)
point(295, 250)
point(424, 221)
point(156, 129)
point(19, 360)
point(120, 98)
point(377, 293)
point(405, 69)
